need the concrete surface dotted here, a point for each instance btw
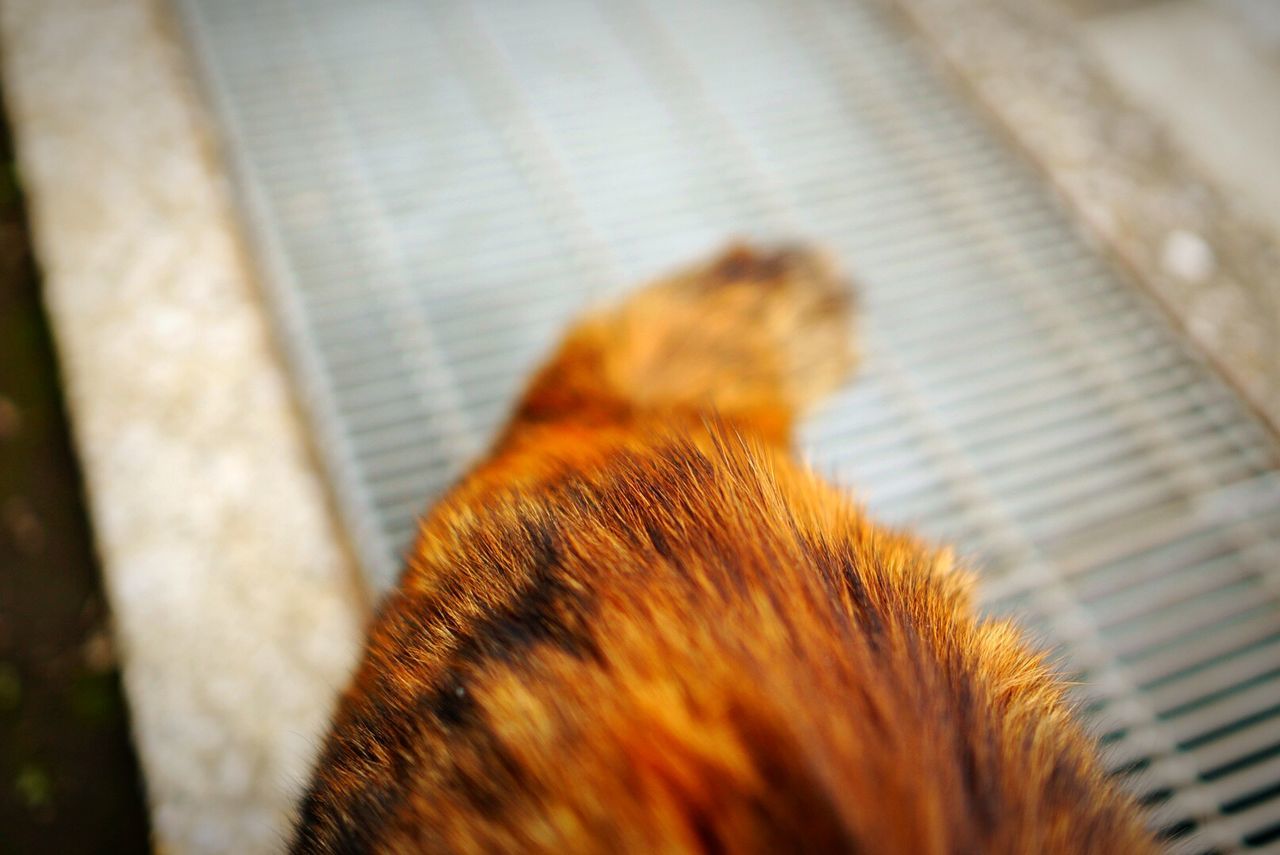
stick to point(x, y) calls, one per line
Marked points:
point(1137, 191)
point(1196, 67)
point(236, 609)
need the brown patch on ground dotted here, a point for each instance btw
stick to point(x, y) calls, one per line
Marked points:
point(69, 781)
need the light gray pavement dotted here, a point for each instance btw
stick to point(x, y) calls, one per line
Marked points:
point(1206, 70)
point(1151, 168)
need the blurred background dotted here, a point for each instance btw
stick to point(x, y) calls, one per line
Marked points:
point(273, 271)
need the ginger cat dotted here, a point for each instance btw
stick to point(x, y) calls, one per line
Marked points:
point(640, 626)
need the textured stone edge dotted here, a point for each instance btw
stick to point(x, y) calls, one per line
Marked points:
point(235, 600)
point(1212, 266)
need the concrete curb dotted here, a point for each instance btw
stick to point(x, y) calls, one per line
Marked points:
point(234, 596)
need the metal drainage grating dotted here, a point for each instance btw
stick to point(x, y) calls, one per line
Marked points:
point(436, 188)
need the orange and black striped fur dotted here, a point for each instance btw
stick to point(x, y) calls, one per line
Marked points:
point(641, 626)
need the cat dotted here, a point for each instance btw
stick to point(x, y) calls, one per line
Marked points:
point(639, 625)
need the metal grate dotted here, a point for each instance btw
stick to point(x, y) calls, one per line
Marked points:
point(436, 188)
